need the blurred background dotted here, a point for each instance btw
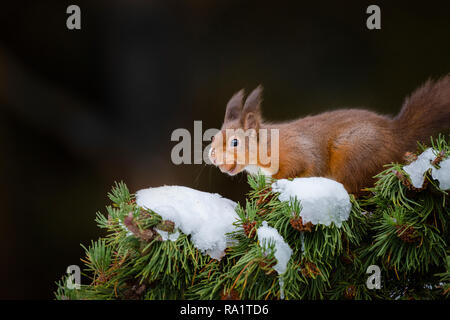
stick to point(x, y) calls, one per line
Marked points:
point(81, 109)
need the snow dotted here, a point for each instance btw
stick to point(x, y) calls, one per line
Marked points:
point(283, 252)
point(207, 217)
point(417, 168)
point(442, 174)
point(267, 236)
point(323, 201)
point(168, 236)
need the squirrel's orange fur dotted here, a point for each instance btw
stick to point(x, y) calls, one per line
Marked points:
point(349, 146)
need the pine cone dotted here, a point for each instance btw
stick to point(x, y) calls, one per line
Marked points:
point(262, 199)
point(439, 158)
point(409, 157)
point(350, 292)
point(263, 211)
point(297, 224)
point(146, 235)
point(407, 183)
point(407, 233)
point(230, 295)
point(265, 265)
point(249, 229)
point(101, 278)
point(166, 225)
point(309, 269)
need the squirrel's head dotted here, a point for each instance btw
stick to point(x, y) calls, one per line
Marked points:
point(235, 147)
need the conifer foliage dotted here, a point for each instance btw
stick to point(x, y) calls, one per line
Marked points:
point(399, 228)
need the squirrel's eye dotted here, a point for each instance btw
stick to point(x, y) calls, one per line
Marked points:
point(234, 142)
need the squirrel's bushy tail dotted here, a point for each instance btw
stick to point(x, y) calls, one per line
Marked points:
point(425, 113)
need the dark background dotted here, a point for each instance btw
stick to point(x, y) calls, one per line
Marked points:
point(82, 109)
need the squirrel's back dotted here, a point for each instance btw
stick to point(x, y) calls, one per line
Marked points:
point(352, 145)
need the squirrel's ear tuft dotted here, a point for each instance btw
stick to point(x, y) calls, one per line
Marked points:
point(251, 120)
point(234, 106)
point(251, 115)
point(254, 100)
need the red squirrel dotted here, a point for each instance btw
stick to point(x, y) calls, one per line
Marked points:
point(349, 146)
